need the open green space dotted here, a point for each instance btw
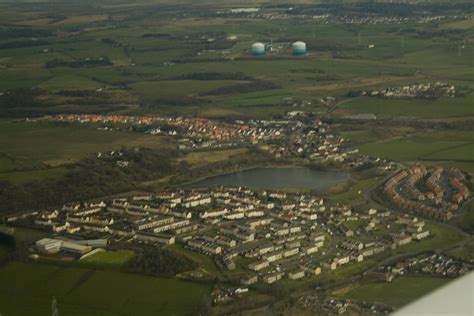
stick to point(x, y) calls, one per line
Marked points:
point(416, 108)
point(20, 177)
point(408, 149)
point(441, 237)
point(399, 292)
point(32, 146)
point(202, 260)
point(444, 146)
point(464, 252)
point(109, 258)
point(354, 192)
point(206, 157)
point(28, 290)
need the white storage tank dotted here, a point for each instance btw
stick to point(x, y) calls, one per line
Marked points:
point(299, 48)
point(258, 49)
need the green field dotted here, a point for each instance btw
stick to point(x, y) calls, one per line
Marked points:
point(465, 252)
point(354, 192)
point(148, 44)
point(109, 258)
point(206, 262)
point(399, 292)
point(28, 147)
point(449, 145)
point(441, 237)
point(27, 289)
point(206, 157)
point(409, 149)
point(418, 108)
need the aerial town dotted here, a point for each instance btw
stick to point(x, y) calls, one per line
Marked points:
point(236, 157)
point(271, 235)
point(298, 135)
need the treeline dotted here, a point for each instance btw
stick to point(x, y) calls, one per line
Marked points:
point(23, 43)
point(467, 220)
point(92, 177)
point(213, 76)
point(30, 103)
point(11, 249)
point(452, 34)
point(89, 62)
point(257, 85)
point(158, 261)
point(77, 93)
point(156, 35)
point(111, 42)
point(20, 98)
point(14, 33)
point(175, 101)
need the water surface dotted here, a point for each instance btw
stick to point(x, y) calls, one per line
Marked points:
point(278, 178)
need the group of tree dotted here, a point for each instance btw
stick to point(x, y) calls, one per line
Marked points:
point(253, 157)
point(175, 101)
point(159, 261)
point(11, 249)
point(92, 177)
point(15, 33)
point(254, 86)
point(213, 76)
point(23, 43)
point(88, 62)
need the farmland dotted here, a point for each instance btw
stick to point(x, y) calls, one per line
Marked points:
point(36, 150)
point(144, 63)
point(398, 293)
point(442, 108)
point(29, 288)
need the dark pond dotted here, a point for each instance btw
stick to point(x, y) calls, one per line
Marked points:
point(278, 178)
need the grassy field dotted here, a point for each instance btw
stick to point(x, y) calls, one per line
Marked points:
point(410, 148)
point(441, 237)
point(109, 259)
point(20, 177)
point(438, 146)
point(27, 289)
point(207, 157)
point(202, 260)
point(465, 252)
point(419, 108)
point(28, 147)
point(399, 292)
point(354, 192)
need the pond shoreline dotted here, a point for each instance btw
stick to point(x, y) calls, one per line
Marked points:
point(295, 182)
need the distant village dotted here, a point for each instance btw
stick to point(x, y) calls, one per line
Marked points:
point(297, 135)
point(422, 90)
point(354, 19)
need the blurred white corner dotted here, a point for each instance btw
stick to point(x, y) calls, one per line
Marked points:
point(454, 299)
